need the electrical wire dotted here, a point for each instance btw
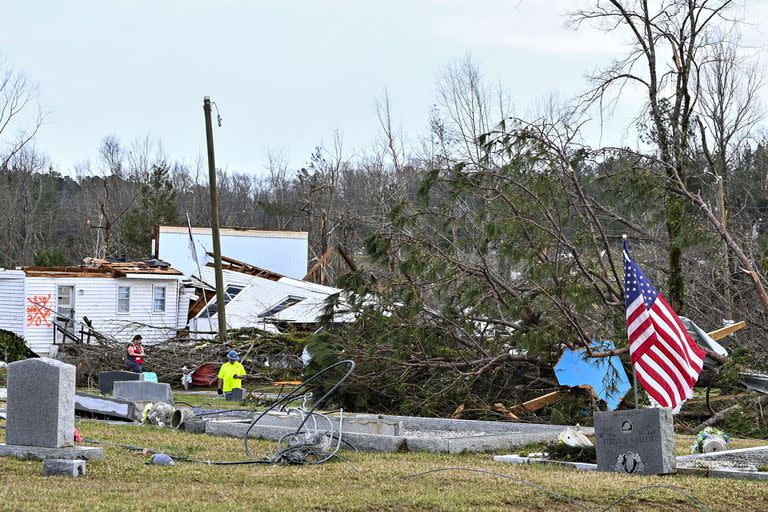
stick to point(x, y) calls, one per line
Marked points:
point(307, 445)
point(180, 457)
point(191, 405)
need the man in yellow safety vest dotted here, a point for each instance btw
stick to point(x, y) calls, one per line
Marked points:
point(231, 375)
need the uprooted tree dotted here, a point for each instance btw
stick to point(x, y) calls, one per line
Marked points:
point(512, 249)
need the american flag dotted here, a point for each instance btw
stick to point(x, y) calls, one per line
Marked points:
point(667, 361)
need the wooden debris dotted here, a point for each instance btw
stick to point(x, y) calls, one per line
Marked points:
point(499, 408)
point(458, 412)
point(726, 331)
point(538, 403)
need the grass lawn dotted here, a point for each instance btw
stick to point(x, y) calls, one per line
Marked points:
point(367, 481)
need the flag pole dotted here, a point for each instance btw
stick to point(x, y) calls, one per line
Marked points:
point(634, 384)
point(634, 370)
point(199, 271)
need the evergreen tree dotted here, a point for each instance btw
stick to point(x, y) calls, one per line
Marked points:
point(157, 205)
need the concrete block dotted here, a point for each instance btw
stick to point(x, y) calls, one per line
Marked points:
point(359, 424)
point(363, 442)
point(195, 425)
point(640, 441)
point(368, 432)
point(757, 453)
point(63, 467)
point(107, 379)
point(427, 444)
point(738, 475)
point(113, 407)
point(44, 453)
point(41, 403)
point(141, 391)
point(490, 427)
point(237, 395)
point(496, 442)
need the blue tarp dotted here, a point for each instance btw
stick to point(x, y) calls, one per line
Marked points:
point(606, 375)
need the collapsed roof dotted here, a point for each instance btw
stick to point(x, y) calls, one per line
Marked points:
point(94, 267)
point(256, 297)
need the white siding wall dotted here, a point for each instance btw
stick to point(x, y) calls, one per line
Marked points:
point(96, 298)
point(12, 310)
point(38, 329)
point(142, 319)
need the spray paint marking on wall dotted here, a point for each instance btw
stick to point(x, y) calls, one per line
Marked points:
point(38, 311)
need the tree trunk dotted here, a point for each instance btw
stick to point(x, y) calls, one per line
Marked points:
point(675, 213)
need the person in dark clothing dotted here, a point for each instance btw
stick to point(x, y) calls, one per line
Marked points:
point(134, 355)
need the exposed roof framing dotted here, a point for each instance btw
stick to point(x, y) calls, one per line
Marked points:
point(246, 268)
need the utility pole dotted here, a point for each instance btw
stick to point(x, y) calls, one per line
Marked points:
point(215, 222)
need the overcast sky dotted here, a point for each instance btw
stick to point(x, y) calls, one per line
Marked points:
point(284, 73)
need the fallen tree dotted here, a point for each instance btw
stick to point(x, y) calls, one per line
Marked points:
point(276, 356)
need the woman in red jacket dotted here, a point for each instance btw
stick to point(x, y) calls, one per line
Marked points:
point(134, 355)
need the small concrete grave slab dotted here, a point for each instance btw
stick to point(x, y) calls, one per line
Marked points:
point(401, 433)
point(63, 467)
point(40, 420)
point(744, 463)
point(107, 379)
point(639, 441)
point(143, 391)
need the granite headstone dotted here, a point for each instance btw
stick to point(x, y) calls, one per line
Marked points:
point(41, 403)
point(237, 395)
point(107, 379)
point(640, 441)
point(142, 391)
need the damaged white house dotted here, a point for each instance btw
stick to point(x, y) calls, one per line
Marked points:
point(116, 299)
point(258, 298)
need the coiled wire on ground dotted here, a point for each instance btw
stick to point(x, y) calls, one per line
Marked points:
point(310, 443)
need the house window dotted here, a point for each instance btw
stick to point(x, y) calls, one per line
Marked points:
point(229, 293)
point(158, 296)
point(123, 299)
point(285, 303)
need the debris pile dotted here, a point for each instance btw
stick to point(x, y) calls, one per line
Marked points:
point(276, 356)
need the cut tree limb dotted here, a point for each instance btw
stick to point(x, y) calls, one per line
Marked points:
point(725, 331)
point(538, 403)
